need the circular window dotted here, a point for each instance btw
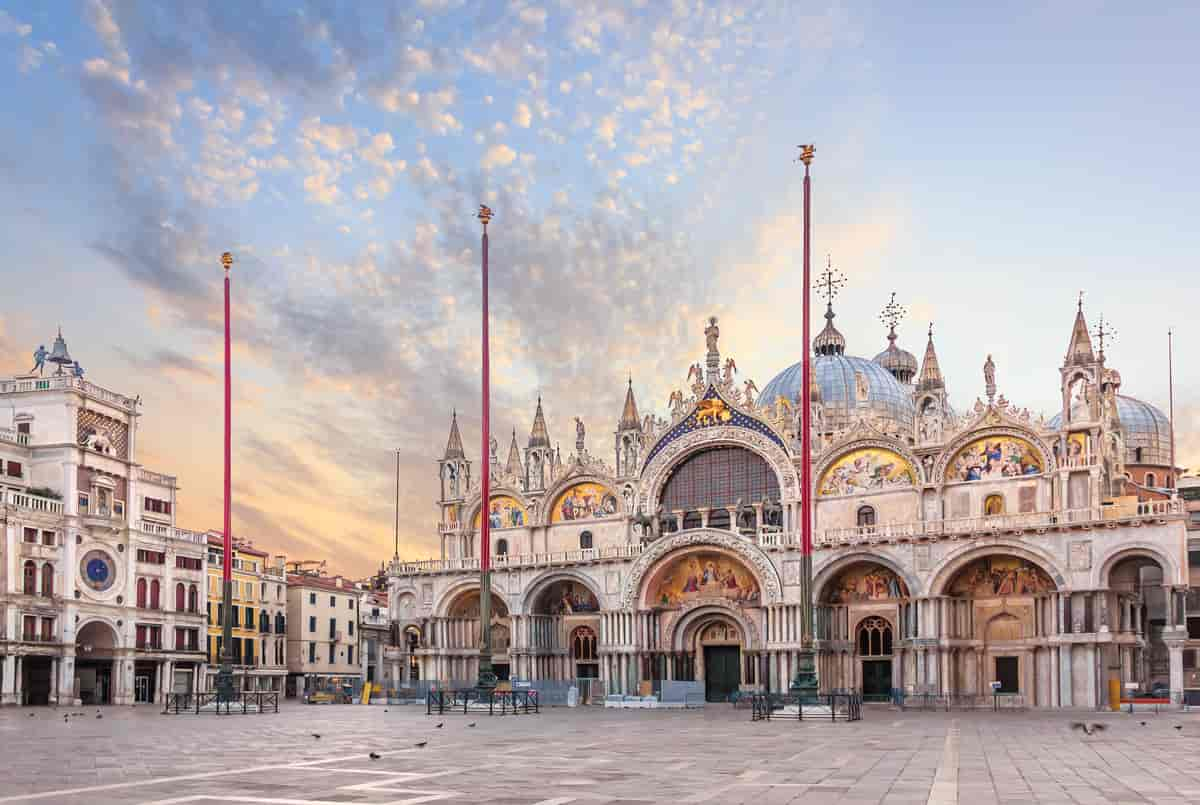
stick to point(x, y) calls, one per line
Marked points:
point(98, 571)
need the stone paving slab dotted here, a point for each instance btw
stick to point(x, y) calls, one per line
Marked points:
point(592, 755)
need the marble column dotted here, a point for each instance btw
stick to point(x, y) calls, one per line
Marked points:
point(1175, 657)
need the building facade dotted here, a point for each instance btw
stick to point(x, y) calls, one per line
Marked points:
point(101, 595)
point(259, 615)
point(322, 635)
point(375, 637)
point(953, 549)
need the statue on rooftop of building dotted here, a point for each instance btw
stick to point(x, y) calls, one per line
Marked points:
point(39, 360)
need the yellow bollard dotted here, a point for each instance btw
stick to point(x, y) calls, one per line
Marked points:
point(1114, 694)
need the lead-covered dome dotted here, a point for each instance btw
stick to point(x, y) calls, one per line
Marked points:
point(1146, 429)
point(850, 388)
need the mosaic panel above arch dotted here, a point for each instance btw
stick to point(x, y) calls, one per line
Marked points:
point(466, 605)
point(994, 576)
point(867, 469)
point(703, 575)
point(992, 457)
point(503, 512)
point(865, 581)
point(566, 597)
point(583, 501)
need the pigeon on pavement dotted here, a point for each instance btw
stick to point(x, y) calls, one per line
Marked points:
point(472, 724)
point(317, 735)
point(421, 745)
point(374, 756)
point(1088, 729)
point(442, 724)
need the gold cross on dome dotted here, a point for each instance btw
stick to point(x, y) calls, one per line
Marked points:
point(831, 281)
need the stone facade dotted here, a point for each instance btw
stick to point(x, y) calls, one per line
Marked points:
point(101, 596)
point(954, 552)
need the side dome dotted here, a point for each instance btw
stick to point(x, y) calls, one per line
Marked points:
point(850, 388)
point(1146, 429)
point(900, 362)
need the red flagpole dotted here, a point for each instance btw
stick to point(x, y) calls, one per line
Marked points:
point(486, 678)
point(225, 674)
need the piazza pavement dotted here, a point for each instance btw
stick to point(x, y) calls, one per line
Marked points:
point(717, 755)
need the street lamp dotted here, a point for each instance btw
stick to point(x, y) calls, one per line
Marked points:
point(225, 674)
point(486, 681)
point(804, 683)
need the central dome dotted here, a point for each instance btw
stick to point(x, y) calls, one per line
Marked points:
point(850, 388)
point(1146, 428)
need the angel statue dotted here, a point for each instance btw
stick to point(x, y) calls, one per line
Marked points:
point(751, 390)
point(675, 402)
point(730, 371)
point(494, 446)
point(697, 371)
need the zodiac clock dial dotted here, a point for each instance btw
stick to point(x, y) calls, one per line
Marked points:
point(97, 570)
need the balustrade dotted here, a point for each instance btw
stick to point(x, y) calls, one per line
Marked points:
point(37, 503)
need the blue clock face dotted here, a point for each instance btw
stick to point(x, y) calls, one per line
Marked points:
point(98, 570)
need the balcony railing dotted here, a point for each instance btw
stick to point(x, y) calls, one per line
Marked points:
point(933, 529)
point(24, 500)
point(375, 620)
point(64, 382)
point(14, 437)
point(769, 537)
point(171, 532)
point(152, 477)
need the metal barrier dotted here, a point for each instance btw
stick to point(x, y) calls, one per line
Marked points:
point(248, 701)
point(473, 700)
point(822, 707)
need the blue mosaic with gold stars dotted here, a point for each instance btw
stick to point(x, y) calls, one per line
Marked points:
point(710, 412)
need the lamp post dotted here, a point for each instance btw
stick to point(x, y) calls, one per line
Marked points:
point(225, 674)
point(805, 681)
point(487, 677)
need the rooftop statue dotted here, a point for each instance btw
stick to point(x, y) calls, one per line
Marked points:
point(39, 360)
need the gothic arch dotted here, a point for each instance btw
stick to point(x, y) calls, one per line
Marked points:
point(833, 569)
point(475, 502)
point(958, 559)
point(545, 511)
point(1003, 427)
point(1131, 550)
point(656, 473)
point(831, 457)
point(545, 579)
point(749, 553)
point(684, 629)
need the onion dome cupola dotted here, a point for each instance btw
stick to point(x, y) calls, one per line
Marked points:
point(900, 362)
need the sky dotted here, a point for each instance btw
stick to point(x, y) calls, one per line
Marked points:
point(985, 162)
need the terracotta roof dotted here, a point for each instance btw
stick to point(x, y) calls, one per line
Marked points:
point(323, 582)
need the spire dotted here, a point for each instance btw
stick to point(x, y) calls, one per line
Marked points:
point(629, 414)
point(454, 448)
point(931, 374)
point(538, 437)
point(829, 341)
point(514, 458)
point(1080, 349)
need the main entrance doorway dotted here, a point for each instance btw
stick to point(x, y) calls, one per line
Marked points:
point(1006, 674)
point(722, 672)
point(877, 680)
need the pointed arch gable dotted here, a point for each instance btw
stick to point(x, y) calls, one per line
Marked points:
point(1003, 427)
point(562, 485)
point(713, 410)
point(844, 449)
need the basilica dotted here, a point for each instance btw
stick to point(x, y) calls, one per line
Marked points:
point(956, 552)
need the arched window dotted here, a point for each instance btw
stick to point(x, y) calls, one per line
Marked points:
point(993, 505)
point(865, 517)
point(193, 599)
point(280, 627)
point(875, 638)
point(264, 623)
point(1137, 455)
point(30, 578)
point(47, 580)
point(501, 547)
point(585, 540)
point(141, 593)
point(583, 644)
point(715, 478)
point(180, 597)
point(412, 639)
point(154, 594)
point(1151, 479)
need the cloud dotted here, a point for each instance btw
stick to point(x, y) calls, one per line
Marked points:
point(523, 116)
point(171, 363)
point(496, 156)
point(330, 136)
point(10, 25)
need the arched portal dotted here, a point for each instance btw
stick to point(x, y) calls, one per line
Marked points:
point(1144, 608)
point(994, 601)
point(711, 648)
point(462, 632)
point(96, 649)
point(874, 597)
